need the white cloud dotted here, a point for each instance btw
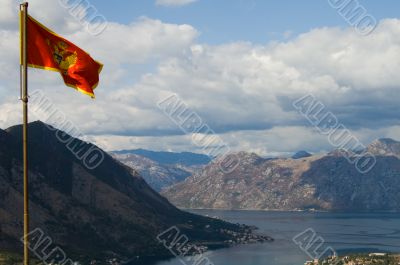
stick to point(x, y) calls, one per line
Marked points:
point(8, 14)
point(241, 90)
point(143, 40)
point(278, 141)
point(49, 12)
point(174, 2)
point(124, 49)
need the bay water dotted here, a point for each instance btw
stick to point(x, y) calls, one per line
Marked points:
point(343, 232)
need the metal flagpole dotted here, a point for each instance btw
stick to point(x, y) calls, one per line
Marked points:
point(24, 98)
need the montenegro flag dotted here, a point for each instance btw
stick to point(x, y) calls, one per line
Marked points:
point(46, 50)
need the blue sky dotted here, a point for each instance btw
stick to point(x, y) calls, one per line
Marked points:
point(257, 21)
point(238, 64)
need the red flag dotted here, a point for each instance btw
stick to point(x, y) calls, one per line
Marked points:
point(46, 50)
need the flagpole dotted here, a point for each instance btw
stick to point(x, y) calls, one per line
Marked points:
point(24, 99)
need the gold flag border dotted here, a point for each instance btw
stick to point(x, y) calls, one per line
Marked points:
point(58, 70)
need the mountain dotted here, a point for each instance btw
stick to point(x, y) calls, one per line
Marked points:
point(301, 154)
point(157, 175)
point(89, 210)
point(320, 182)
point(170, 158)
point(162, 169)
point(385, 147)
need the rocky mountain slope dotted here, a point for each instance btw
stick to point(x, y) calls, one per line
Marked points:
point(323, 182)
point(385, 147)
point(93, 212)
point(158, 175)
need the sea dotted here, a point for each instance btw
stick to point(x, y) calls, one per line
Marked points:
point(302, 236)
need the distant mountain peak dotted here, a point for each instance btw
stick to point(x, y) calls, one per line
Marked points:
point(247, 154)
point(322, 182)
point(301, 154)
point(157, 175)
point(385, 141)
point(384, 146)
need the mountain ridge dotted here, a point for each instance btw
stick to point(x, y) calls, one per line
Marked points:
point(93, 212)
point(157, 175)
point(326, 182)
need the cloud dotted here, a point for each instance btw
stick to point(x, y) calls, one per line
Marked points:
point(125, 50)
point(138, 42)
point(278, 141)
point(241, 86)
point(243, 91)
point(49, 12)
point(272, 142)
point(8, 14)
point(174, 2)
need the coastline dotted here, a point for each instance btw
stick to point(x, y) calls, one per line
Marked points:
point(211, 246)
point(383, 258)
point(271, 224)
point(288, 211)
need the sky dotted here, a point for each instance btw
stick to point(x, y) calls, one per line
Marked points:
point(238, 64)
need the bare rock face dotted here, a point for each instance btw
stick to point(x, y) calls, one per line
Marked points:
point(323, 182)
point(103, 211)
point(385, 147)
point(158, 175)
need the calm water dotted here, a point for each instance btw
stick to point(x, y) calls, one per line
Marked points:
point(342, 231)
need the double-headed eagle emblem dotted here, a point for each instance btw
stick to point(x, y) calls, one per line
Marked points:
point(64, 58)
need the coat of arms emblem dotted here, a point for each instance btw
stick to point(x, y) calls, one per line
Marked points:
point(64, 58)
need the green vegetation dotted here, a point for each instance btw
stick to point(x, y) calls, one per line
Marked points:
point(360, 259)
point(8, 258)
